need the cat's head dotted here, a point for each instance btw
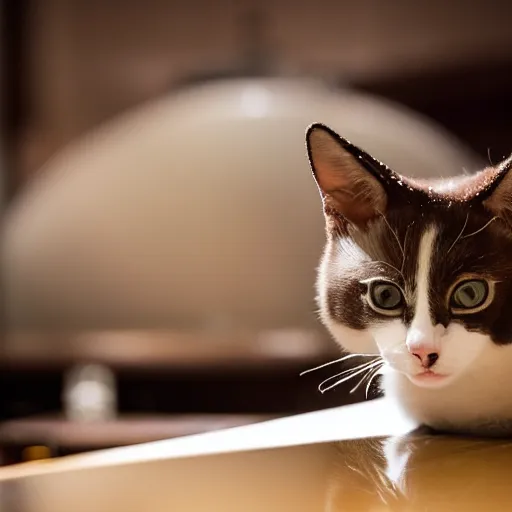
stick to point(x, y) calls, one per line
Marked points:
point(419, 272)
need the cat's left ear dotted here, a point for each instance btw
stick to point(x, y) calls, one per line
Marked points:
point(499, 202)
point(348, 178)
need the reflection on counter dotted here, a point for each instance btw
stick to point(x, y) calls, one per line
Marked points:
point(421, 472)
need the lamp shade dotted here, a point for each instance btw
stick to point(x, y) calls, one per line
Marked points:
point(197, 210)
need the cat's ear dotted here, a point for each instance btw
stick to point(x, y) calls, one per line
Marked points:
point(499, 202)
point(346, 176)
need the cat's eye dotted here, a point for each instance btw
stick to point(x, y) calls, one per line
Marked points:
point(470, 295)
point(385, 297)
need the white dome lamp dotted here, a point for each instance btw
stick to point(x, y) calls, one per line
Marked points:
point(198, 211)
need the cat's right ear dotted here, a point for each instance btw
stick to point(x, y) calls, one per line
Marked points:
point(346, 177)
point(499, 201)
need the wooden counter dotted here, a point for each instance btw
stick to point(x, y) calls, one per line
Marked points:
point(362, 457)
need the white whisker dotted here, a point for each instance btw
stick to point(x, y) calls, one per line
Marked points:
point(405, 247)
point(375, 373)
point(481, 229)
point(344, 379)
point(341, 359)
point(394, 234)
point(489, 157)
point(460, 234)
point(389, 265)
point(366, 366)
point(365, 377)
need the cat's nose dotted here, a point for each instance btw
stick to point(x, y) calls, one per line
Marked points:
point(427, 358)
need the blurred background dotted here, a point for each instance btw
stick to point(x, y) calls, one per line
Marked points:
point(160, 226)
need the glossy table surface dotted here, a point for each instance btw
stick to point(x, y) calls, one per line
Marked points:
point(365, 457)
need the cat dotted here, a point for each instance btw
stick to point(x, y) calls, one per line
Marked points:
point(419, 273)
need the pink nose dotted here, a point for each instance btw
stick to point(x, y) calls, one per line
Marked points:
point(427, 356)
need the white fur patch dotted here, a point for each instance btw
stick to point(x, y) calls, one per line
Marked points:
point(344, 250)
point(356, 342)
point(422, 331)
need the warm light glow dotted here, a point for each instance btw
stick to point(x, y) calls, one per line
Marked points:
point(255, 101)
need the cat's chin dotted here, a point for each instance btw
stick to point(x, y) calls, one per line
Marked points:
point(463, 403)
point(425, 380)
point(430, 380)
